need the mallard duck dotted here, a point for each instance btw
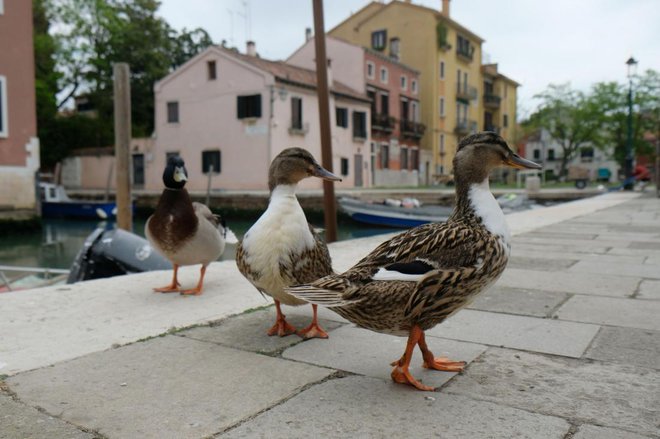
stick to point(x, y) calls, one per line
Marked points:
point(420, 277)
point(186, 233)
point(281, 249)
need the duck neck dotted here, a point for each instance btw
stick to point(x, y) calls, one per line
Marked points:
point(475, 203)
point(283, 191)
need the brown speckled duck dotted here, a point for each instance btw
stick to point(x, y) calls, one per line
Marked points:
point(417, 279)
point(281, 249)
point(186, 233)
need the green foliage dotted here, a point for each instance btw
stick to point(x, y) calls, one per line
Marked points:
point(599, 118)
point(91, 36)
point(441, 35)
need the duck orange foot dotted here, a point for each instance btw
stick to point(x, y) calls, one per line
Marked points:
point(401, 375)
point(444, 364)
point(171, 288)
point(313, 331)
point(281, 328)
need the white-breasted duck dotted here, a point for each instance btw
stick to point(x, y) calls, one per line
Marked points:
point(417, 279)
point(185, 232)
point(282, 249)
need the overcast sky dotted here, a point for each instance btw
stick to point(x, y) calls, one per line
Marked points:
point(535, 42)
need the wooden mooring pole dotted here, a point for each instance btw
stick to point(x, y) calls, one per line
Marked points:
point(122, 102)
point(329, 206)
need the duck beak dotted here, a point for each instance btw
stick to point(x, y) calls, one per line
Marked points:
point(180, 174)
point(323, 173)
point(515, 161)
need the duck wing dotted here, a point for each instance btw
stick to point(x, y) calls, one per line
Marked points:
point(202, 211)
point(313, 263)
point(417, 257)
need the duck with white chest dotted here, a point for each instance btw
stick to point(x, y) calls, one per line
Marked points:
point(417, 279)
point(282, 249)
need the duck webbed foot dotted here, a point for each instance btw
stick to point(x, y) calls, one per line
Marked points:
point(173, 287)
point(281, 326)
point(439, 363)
point(197, 291)
point(313, 330)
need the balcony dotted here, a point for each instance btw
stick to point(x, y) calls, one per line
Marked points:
point(493, 128)
point(382, 122)
point(492, 101)
point(298, 128)
point(412, 129)
point(465, 53)
point(465, 93)
point(464, 127)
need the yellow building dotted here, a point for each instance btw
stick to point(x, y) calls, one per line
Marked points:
point(461, 96)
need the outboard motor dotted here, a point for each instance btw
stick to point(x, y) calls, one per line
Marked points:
point(108, 253)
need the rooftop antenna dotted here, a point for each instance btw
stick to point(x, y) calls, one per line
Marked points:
point(246, 16)
point(231, 27)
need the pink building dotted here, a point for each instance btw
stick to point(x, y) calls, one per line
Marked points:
point(393, 89)
point(19, 145)
point(235, 112)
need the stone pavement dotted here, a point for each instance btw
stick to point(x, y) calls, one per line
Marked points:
point(566, 345)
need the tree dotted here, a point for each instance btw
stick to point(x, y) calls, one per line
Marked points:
point(572, 119)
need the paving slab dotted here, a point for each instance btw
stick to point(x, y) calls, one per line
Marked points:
point(546, 233)
point(18, 421)
point(574, 257)
point(369, 353)
point(631, 313)
point(587, 431)
point(652, 260)
point(168, 387)
point(649, 289)
point(576, 283)
point(539, 262)
point(248, 331)
point(634, 252)
point(558, 247)
point(614, 268)
point(645, 245)
point(518, 332)
point(584, 245)
point(606, 394)
point(518, 301)
point(363, 407)
point(639, 347)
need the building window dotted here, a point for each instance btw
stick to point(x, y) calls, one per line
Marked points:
point(371, 70)
point(4, 128)
point(404, 114)
point(342, 117)
point(413, 86)
point(384, 75)
point(414, 159)
point(171, 154)
point(138, 169)
point(442, 107)
point(404, 82)
point(211, 71)
point(414, 108)
point(172, 112)
point(248, 106)
point(442, 144)
point(587, 154)
point(385, 104)
point(384, 156)
point(359, 125)
point(404, 158)
point(344, 166)
point(296, 114)
point(2, 7)
point(442, 70)
point(378, 39)
point(537, 154)
point(395, 48)
point(463, 47)
point(211, 161)
point(505, 120)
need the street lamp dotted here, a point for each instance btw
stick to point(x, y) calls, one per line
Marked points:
point(629, 182)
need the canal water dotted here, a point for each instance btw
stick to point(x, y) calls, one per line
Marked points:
point(59, 240)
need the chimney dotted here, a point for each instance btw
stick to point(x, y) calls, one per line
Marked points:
point(251, 49)
point(308, 34)
point(445, 8)
point(329, 72)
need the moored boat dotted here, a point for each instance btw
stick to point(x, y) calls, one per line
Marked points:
point(391, 215)
point(55, 203)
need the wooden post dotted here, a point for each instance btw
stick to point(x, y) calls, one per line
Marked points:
point(122, 102)
point(329, 206)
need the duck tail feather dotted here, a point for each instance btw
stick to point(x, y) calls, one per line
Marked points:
point(318, 296)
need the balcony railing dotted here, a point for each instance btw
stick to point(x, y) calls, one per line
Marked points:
point(412, 129)
point(492, 101)
point(298, 128)
point(382, 122)
point(467, 53)
point(466, 126)
point(465, 92)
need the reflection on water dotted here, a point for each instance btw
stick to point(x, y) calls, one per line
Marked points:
point(58, 242)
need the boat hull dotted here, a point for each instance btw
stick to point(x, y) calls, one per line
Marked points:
point(381, 215)
point(75, 209)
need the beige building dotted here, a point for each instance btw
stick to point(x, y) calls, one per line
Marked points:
point(461, 96)
point(19, 145)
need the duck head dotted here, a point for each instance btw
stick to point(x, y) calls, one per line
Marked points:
point(294, 164)
point(175, 174)
point(480, 153)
